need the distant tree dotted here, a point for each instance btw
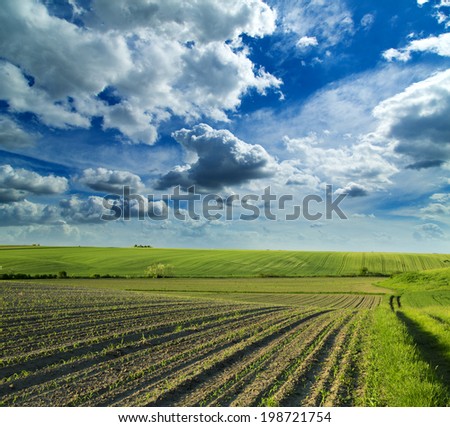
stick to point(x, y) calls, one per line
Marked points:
point(364, 271)
point(62, 275)
point(159, 270)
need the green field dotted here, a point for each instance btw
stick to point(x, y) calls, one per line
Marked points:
point(88, 261)
point(194, 286)
point(421, 324)
point(324, 339)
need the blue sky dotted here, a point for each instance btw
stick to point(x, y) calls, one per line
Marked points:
point(230, 97)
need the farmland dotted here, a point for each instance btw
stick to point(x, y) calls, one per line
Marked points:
point(253, 341)
point(71, 346)
point(132, 262)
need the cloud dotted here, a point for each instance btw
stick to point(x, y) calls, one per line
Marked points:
point(25, 213)
point(82, 211)
point(428, 231)
point(299, 178)
point(22, 97)
point(342, 107)
point(441, 197)
point(353, 190)
point(13, 136)
point(363, 162)
point(16, 184)
point(162, 59)
point(417, 119)
point(110, 181)
point(331, 22)
point(306, 42)
point(217, 159)
point(439, 45)
point(425, 164)
point(439, 14)
point(367, 21)
point(438, 209)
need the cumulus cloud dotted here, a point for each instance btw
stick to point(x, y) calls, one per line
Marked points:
point(306, 42)
point(428, 231)
point(13, 136)
point(363, 162)
point(25, 213)
point(297, 177)
point(217, 159)
point(82, 211)
point(21, 97)
point(353, 189)
point(439, 45)
point(160, 59)
point(110, 181)
point(417, 119)
point(16, 184)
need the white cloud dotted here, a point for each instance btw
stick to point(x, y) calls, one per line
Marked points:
point(306, 42)
point(438, 209)
point(82, 211)
point(367, 21)
point(21, 98)
point(341, 108)
point(331, 22)
point(111, 181)
point(162, 59)
point(435, 211)
point(204, 20)
point(13, 136)
point(363, 162)
point(16, 184)
point(429, 231)
point(216, 158)
point(396, 54)
point(417, 119)
point(441, 197)
point(25, 212)
point(439, 45)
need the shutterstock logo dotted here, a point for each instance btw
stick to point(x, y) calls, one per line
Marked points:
point(190, 205)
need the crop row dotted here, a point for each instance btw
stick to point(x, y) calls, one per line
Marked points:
point(103, 348)
point(335, 301)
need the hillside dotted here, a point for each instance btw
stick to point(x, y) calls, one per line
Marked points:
point(88, 261)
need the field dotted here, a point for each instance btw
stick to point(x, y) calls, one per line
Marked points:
point(217, 287)
point(88, 261)
point(254, 341)
point(70, 346)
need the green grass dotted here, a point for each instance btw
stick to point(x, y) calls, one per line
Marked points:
point(430, 329)
point(440, 298)
point(396, 373)
point(301, 285)
point(409, 351)
point(87, 261)
point(432, 280)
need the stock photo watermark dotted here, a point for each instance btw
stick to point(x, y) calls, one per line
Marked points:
point(190, 205)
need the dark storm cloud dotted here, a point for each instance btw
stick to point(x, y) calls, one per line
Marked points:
point(219, 159)
point(418, 119)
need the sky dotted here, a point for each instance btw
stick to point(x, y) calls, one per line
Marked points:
point(108, 109)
